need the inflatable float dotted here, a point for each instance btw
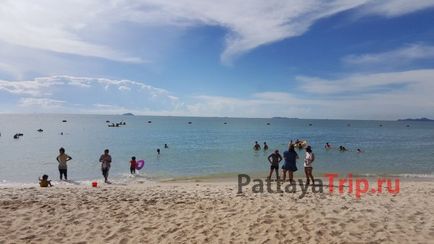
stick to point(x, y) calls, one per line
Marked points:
point(140, 164)
point(300, 144)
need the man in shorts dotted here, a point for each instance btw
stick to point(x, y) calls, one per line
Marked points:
point(274, 160)
point(106, 161)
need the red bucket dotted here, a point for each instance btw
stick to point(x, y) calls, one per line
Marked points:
point(94, 184)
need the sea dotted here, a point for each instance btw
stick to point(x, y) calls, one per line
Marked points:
point(203, 147)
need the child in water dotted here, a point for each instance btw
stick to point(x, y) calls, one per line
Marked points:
point(44, 182)
point(133, 165)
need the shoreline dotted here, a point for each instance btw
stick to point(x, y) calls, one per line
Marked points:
point(225, 178)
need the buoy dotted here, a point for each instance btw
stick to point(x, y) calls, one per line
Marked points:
point(140, 164)
point(94, 184)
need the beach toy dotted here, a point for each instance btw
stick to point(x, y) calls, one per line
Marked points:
point(140, 164)
point(94, 184)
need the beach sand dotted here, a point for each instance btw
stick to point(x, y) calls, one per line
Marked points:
point(212, 212)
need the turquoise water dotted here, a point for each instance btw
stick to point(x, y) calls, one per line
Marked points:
point(207, 146)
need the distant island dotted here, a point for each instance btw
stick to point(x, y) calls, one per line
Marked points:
point(421, 119)
point(282, 118)
point(128, 114)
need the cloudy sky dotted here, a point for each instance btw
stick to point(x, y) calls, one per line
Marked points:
point(356, 59)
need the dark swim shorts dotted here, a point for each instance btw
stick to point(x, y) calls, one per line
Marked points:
point(274, 166)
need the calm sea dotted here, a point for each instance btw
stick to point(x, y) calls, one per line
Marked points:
point(206, 147)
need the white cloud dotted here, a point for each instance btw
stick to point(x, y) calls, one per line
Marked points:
point(395, 57)
point(396, 7)
point(91, 28)
point(56, 26)
point(388, 95)
point(41, 103)
point(77, 93)
point(354, 84)
point(36, 87)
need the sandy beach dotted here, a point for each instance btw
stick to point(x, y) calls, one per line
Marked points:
point(212, 212)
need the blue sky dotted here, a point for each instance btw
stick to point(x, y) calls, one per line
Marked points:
point(355, 59)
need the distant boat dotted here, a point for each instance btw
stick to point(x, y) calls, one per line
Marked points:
point(107, 121)
point(17, 135)
point(40, 130)
point(64, 121)
point(128, 114)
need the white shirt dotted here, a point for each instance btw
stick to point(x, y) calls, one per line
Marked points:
point(308, 160)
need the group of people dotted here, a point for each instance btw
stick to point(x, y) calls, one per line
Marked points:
point(257, 147)
point(341, 148)
point(290, 163)
point(105, 159)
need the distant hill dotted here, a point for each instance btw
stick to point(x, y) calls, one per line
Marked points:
point(421, 119)
point(128, 114)
point(282, 118)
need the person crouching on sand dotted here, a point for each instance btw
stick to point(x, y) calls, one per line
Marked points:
point(133, 165)
point(44, 182)
point(308, 160)
point(274, 160)
point(106, 161)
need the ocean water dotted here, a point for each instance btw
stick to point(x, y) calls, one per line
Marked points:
point(207, 147)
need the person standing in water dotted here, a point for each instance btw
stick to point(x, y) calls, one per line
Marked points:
point(265, 146)
point(256, 147)
point(133, 165)
point(308, 160)
point(106, 161)
point(274, 160)
point(290, 164)
point(62, 159)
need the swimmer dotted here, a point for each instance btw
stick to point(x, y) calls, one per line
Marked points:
point(256, 147)
point(359, 151)
point(166, 146)
point(158, 151)
point(265, 146)
point(327, 146)
point(342, 149)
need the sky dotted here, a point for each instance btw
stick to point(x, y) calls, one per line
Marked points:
point(334, 59)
